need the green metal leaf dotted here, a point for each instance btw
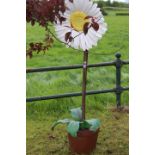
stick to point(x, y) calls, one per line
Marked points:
point(76, 113)
point(64, 121)
point(95, 124)
point(73, 128)
point(84, 125)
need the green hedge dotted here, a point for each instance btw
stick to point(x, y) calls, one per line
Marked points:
point(104, 12)
point(122, 14)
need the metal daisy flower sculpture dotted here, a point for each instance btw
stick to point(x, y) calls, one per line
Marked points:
point(81, 26)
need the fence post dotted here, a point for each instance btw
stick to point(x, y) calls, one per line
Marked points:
point(118, 79)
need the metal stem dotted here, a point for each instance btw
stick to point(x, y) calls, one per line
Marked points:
point(84, 82)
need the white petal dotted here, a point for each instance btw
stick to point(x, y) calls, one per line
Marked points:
point(70, 5)
point(102, 29)
point(89, 6)
point(85, 42)
point(92, 10)
point(76, 39)
point(88, 45)
point(76, 42)
point(75, 33)
point(81, 5)
point(89, 41)
point(98, 14)
point(82, 43)
point(67, 14)
point(84, 5)
point(95, 33)
point(97, 10)
point(62, 39)
point(100, 20)
point(59, 28)
point(62, 29)
point(77, 4)
point(61, 33)
point(93, 38)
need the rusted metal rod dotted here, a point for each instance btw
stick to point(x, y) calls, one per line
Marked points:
point(84, 82)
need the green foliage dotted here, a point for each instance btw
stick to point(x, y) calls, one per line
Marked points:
point(84, 125)
point(108, 3)
point(104, 12)
point(95, 123)
point(73, 126)
point(76, 114)
point(120, 4)
point(101, 3)
point(122, 14)
point(63, 121)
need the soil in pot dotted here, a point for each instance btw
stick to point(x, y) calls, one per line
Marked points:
point(84, 143)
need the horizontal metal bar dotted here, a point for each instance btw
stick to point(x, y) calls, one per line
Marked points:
point(58, 68)
point(54, 68)
point(102, 64)
point(125, 62)
point(73, 94)
point(125, 89)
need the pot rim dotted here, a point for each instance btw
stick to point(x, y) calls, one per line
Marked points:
point(86, 133)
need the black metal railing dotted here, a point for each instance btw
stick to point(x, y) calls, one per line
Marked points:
point(118, 63)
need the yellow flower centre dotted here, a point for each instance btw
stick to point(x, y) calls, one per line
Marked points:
point(77, 20)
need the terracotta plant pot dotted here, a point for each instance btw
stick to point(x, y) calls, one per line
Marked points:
point(84, 143)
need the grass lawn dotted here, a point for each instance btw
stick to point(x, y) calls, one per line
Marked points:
point(113, 138)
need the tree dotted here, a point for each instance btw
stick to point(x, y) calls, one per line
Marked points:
point(44, 12)
point(100, 4)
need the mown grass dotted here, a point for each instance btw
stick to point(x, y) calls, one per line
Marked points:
point(113, 138)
